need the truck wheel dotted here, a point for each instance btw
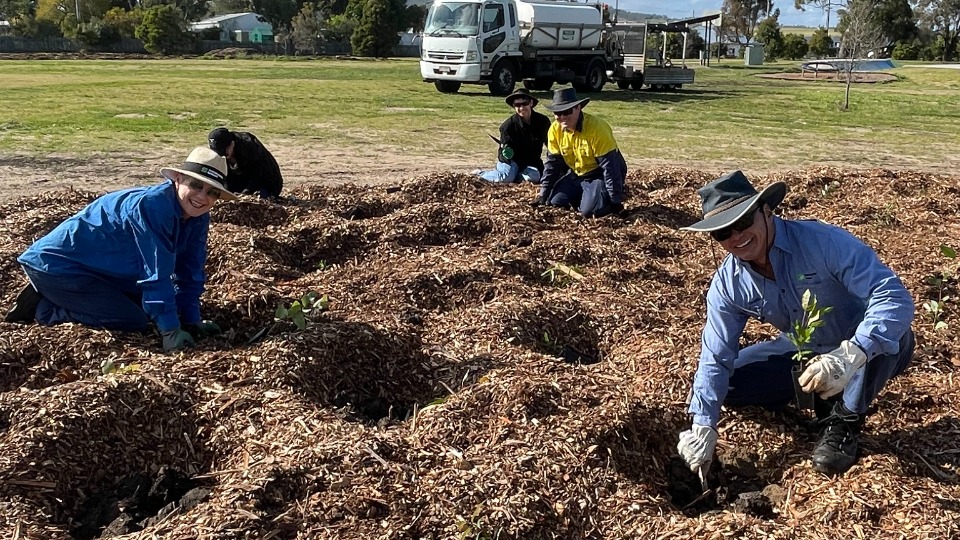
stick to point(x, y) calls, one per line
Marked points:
point(447, 87)
point(504, 78)
point(623, 85)
point(637, 85)
point(596, 77)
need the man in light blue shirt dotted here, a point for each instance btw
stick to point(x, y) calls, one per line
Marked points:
point(865, 339)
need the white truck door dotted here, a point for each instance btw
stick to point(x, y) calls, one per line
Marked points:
point(493, 32)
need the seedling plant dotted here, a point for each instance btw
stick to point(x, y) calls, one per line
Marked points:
point(803, 329)
point(940, 282)
point(301, 311)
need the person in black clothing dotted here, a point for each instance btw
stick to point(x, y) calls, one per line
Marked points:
point(522, 137)
point(253, 169)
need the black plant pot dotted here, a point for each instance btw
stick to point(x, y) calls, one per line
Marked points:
point(804, 399)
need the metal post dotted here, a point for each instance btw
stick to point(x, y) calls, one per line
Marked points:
point(77, 4)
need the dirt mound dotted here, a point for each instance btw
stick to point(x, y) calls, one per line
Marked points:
point(483, 369)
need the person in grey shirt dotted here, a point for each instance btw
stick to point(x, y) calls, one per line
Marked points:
point(865, 339)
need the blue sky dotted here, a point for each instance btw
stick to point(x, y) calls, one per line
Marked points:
point(678, 9)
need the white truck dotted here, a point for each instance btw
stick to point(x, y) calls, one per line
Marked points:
point(539, 42)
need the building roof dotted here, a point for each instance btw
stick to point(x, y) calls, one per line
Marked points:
point(215, 22)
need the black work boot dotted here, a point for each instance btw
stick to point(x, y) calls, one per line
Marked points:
point(25, 307)
point(838, 447)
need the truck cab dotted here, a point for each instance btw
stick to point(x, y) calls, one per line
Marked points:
point(466, 41)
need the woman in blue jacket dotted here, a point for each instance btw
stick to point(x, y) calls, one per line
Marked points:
point(131, 258)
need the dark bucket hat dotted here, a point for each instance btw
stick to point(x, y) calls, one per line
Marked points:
point(565, 98)
point(730, 197)
point(521, 94)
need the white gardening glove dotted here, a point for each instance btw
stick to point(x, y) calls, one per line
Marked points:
point(696, 446)
point(829, 373)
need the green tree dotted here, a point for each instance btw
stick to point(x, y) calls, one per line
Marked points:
point(223, 7)
point(339, 28)
point(123, 21)
point(794, 46)
point(827, 6)
point(942, 19)
point(161, 29)
point(414, 17)
point(376, 33)
point(741, 17)
point(305, 30)
point(821, 44)
point(768, 32)
point(190, 10)
point(896, 19)
point(279, 13)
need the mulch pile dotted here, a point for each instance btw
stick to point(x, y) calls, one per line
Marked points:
point(484, 369)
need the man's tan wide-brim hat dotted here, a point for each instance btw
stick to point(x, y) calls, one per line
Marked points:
point(206, 166)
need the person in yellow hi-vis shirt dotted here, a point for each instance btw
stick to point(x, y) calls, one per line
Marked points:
point(584, 168)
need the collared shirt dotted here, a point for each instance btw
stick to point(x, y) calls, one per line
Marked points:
point(525, 139)
point(137, 239)
point(590, 152)
point(871, 307)
point(580, 148)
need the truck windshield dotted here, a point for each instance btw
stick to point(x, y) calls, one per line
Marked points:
point(452, 18)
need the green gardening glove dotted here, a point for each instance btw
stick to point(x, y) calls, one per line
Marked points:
point(507, 152)
point(176, 339)
point(203, 329)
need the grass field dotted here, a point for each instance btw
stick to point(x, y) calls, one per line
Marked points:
point(728, 118)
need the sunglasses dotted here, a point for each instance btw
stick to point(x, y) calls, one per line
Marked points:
point(740, 225)
point(520, 103)
point(567, 112)
point(212, 192)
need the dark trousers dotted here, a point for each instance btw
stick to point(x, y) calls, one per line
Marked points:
point(588, 196)
point(88, 300)
point(763, 376)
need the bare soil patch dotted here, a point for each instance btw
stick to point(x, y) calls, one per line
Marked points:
point(827, 76)
point(438, 396)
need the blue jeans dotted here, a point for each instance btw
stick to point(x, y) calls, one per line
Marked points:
point(507, 173)
point(589, 197)
point(88, 300)
point(762, 375)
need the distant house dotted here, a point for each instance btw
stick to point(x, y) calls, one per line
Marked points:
point(241, 27)
point(4, 27)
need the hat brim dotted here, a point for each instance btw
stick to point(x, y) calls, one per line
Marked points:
point(511, 98)
point(225, 194)
point(772, 195)
point(565, 106)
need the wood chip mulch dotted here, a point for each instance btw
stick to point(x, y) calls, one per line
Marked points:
point(431, 399)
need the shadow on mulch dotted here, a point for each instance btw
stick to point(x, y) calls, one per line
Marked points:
point(550, 328)
point(923, 451)
point(369, 374)
point(95, 462)
point(137, 502)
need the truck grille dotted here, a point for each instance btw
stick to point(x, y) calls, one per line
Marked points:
point(445, 56)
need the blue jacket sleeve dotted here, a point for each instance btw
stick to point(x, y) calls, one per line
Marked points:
point(614, 172)
point(190, 274)
point(153, 223)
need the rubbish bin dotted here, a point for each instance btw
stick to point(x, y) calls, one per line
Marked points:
point(753, 55)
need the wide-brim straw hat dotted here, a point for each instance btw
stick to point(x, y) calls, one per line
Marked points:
point(206, 166)
point(730, 197)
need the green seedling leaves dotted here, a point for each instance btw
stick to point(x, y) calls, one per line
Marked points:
point(300, 311)
point(948, 251)
point(802, 330)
